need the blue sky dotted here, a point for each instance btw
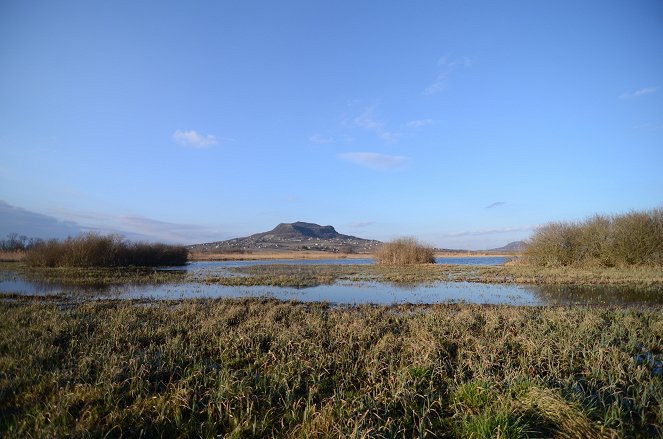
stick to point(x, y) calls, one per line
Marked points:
point(465, 124)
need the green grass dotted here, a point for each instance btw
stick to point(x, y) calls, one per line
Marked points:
point(264, 368)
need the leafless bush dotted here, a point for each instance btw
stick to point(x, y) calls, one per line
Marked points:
point(635, 238)
point(404, 251)
point(93, 250)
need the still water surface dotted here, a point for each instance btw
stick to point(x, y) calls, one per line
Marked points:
point(347, 292)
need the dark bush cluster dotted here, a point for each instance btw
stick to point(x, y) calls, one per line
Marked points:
point(404, 251)
point(635, 238)
point(92, 250)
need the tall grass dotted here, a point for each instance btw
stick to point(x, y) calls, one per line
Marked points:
point(92, 250)
point(263, 368)
point(632, 239)
point(404, 251)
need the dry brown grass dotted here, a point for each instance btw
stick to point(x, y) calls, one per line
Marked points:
point(94, 250)
point(264, 368)
point(404, 251)
point(12, 256)
point(627, 240)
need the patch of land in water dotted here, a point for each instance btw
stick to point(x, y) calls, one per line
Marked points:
point(308, 275)
point(91, 277)
point(295, 275)
point(255, 367)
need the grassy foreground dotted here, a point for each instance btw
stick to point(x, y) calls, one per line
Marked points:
point(250, 367)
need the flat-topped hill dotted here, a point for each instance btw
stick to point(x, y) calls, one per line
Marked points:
point(301, 230)
point(295, 236)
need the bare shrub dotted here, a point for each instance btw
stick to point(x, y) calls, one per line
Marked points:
point(404, 251)
point(635, 238)
point(93, 250)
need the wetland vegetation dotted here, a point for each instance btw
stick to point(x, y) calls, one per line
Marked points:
point(266, 368)
point(627, 240)
point(93, 250)
point(404, 251)
point(311, 275)
point(256, 367)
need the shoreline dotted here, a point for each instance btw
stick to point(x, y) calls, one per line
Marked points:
point(266, 256)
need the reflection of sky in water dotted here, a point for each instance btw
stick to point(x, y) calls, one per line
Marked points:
point(345, 292)
point(208, 265)
point(359, 292)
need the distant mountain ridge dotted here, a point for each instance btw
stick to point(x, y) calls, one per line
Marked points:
point(512, 247)
point(302, 236)
point(295, 236)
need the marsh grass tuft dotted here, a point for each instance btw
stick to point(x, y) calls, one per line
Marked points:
point(404, 251)
point(93, 250)
point(264, 368)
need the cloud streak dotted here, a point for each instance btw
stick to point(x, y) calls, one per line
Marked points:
point(490, 231)
point(194, 139)
point(15, 219)
point(139, 227)
point(639, 93)
point(367, 121)
point(321, 140)
point(361, 224)
point(446, 67)
point(419, 123)
point(374, 160)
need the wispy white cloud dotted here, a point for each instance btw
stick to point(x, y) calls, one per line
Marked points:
point(139, 227)
point(445, 66)
point(320, 139)
point(361, 224)
point(639, 93)
point(374, 160)
point(194, 139)
point(495, 204)
point(482, 232)
point(367, 121)
point(419, 123)
point(14, 219)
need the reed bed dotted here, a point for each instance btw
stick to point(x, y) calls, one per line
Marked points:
point(627, 240)
point(92, 250)
point(263, 368)
point(404, 251)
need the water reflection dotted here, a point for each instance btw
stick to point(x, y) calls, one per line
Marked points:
point(351, 292)
point(212, 265)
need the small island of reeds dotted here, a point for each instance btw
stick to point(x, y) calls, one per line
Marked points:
point(404, 251)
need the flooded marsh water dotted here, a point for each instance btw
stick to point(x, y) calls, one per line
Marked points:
point(341, 291)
